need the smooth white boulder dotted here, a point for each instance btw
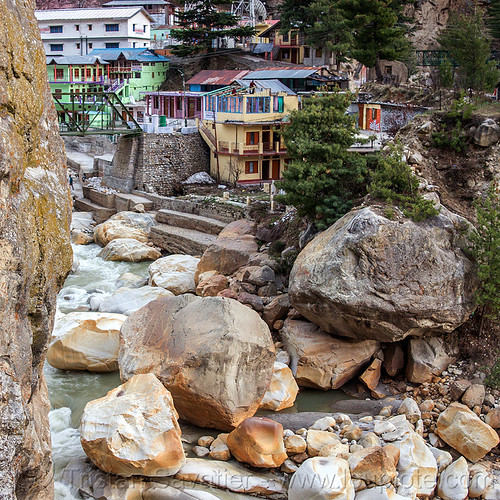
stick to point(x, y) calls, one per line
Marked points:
point(86, 341)
point(174, 273)
point(322, 478)
point(453, 483)
point(128, 250)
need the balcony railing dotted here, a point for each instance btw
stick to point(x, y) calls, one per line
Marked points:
point(240, 148)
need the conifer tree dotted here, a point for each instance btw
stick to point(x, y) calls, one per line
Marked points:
point(203, 24)
point(323, 178)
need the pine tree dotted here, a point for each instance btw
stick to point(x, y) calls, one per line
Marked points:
point(202, 25)
point(323, 178)
point(379, 30)
point(468, 44)
point(486, 245)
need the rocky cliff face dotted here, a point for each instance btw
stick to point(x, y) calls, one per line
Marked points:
point(68, 4)
point(35, 255)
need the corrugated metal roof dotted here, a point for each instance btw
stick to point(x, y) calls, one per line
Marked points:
point(134, 2)
point(66, 60)
point(216, 77)
point(139, 54)
point(83, 14)
point(271, 74)
point(273, 85)
point(261, 48)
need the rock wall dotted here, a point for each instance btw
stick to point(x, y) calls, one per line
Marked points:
point(156, 162)
point(35, 255)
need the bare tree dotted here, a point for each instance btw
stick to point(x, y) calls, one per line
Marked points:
point(235, 171)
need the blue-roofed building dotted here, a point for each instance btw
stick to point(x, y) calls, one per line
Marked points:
point(133, 71)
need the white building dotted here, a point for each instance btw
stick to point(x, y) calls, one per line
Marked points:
point(71, 32)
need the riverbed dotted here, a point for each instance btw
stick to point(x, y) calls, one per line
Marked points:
point(70, 391)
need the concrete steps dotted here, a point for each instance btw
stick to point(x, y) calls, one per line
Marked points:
point(180, 240)
point(190, 221)
point(100, 213)
point(126, 201)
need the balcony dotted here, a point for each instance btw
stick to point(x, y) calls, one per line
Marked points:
point(239, 148)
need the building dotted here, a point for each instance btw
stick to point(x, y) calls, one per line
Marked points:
point(241, 127)
point(162, 12)
point(68, 32)
point(134, 71)
point(305, 79)
point(208, 80)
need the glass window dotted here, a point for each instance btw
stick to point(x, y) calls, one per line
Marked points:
point(56, 47)
point(89, 27)
point(77, 27)
point(91, 45)
point(56, 29)
point(258, 104)
point(112, 27)
point(278, 104)
point(113, 45)
point(78, 46)
point(59, 73)
point(76, 73)
point(251, 167)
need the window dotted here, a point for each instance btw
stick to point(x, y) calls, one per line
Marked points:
point(134, 45)
point(145, 28)
point(252, 138)
point(56, 47)
point(230, 104)
point(59, 73)
point(137, 74)
point(113, 45)
point(210, 103)
point(319, 52)
point(133, 27)
point(152, 75)
point(56, 29)
point(278, 104)
point(89, 27)
point(58, 92)
point(112, 27)
point(258, 104)
point(76, 73)
point(77, 27)
point(78, 46)
point(156, 102)
point(251, 167)
point(307, 51)
point(91, 45)
point(285, 37)
point(374, 114)
point(88, 73)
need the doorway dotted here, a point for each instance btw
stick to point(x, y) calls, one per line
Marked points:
point(265, 170)
point(276, 170)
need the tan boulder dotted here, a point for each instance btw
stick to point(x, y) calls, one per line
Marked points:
point(86, 341)
point(493, 418)
point(81, 238)
point(372, 464)
point(276, 309)
point(124, 225)
point(316, 440)
point(212, 285)
point(463, 430)
point(295, 444)
point(258, 442)
point(174, 273)
point(232, 248)
point(282, 391)
point(133, 430)
point(128, 250)
point(214, 355)
point(322, 360)
point(371, 376)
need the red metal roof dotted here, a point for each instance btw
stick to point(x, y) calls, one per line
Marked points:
point(216, 77)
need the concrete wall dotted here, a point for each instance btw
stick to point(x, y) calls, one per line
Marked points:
point(94, 145)
point(156, 163)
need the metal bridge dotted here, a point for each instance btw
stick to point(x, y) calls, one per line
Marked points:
point(439, 57)
point(94, 113)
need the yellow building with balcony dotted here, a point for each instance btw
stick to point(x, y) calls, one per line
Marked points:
point(242, 129)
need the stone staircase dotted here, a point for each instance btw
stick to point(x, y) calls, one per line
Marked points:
point(185, 233)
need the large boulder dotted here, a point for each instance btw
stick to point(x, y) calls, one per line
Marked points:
point(322, 478)
point(214, 355)
point(368, 277)
point(487, 134)
point(320, 360)
point(258, 441)
point(427, 357)
point(124, 225)
point(372, 464)
point(128, 300)
point(282, 390)
point(86, 341)
point(174, 273)
point(232, 248)
point(453, 483)
point(128, 250)
point(463, 430)
point(133, 430)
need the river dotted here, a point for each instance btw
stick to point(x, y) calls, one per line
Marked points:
point(70, 391)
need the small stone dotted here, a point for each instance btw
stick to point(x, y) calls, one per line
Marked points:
point(427, 406)
point(300, 458)
point(386, 411)
point(369, 439)
point(383, 427)
point(317, 439)
point(410, 408)
point(200, 451)
point(352, 432)
point(335, 450)
point(220, 452)
point(479, 483)
point(295, 444)
point(458, 388)
point(289, 467)
point(206, 441)
point(322, 424)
